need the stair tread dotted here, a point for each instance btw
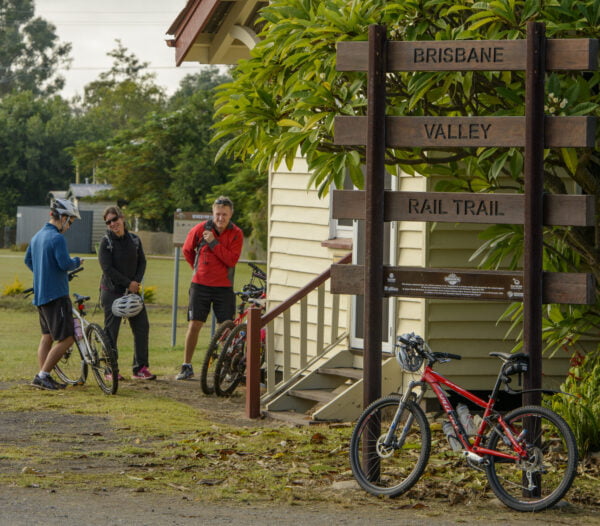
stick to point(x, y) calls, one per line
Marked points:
point(291, 417)
point(319, 395)
point(349, 372)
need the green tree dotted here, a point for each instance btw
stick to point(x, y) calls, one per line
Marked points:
point(122, 96)
point(120, 99)
point(34, 136)
point(204, 81)
point(285, 97)
point(30, 54)
point(167, 161)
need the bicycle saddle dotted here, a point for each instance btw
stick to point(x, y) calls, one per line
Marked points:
point(507, 357)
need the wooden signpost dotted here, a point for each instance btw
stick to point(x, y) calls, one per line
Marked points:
point(183, 223)
point(459, 132)
point(534, 132)
point(459, 207)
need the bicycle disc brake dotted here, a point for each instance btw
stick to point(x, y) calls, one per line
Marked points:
point(383, 450)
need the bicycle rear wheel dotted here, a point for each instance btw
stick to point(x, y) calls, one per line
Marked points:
point(542, 479)
point(71, 368)
point(207, 375)
point(231, 364)
point(105, 367)
point(389, 469)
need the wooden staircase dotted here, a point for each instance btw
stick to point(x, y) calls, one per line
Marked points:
point(330, 391)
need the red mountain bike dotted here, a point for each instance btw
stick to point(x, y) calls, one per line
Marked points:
point(253, 292)
point(529, 455)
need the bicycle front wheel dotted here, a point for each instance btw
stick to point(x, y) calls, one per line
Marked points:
point(394, 467)
point(104, 366)
point(207, 375)
point(71, 368)
point(542, 478)
point(231, 365)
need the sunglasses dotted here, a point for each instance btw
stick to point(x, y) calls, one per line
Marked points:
point(225, 202)
point(112, 220)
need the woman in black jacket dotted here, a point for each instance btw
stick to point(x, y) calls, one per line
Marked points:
point(123, 264)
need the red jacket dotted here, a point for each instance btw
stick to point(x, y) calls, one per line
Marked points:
point(216, 261)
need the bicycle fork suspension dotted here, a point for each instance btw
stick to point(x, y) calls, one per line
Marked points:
point(406, 397)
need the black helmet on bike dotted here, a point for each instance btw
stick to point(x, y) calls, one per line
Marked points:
point(406, 352)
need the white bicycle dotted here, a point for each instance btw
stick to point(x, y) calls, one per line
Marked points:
point(92, 349)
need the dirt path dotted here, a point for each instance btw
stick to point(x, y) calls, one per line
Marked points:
point(29, 506)
point(97, 506)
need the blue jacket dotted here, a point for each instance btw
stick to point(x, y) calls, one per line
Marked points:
point(48, 258)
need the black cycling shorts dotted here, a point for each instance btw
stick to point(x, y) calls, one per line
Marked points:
point(202, 297)
point(56, 318)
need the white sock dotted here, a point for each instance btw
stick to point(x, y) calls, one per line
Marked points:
point(43, 374)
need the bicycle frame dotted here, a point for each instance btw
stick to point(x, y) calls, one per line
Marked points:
point(79, 313)
point(475, 450)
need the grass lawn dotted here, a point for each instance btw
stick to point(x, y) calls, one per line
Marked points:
point(165, 359)
point(166, 437)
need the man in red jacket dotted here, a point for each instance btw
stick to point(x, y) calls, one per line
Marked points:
point(212, 248)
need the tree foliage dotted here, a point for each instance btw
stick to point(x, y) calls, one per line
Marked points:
point(122, 96)
point(34, 135)
point(163, 160)
point(30, 54)
point(285, 97)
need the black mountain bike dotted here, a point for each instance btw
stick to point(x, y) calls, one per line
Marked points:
point(252, 291)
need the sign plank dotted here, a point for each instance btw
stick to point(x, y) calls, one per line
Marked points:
point(450, 207)
point(183, 222)
point(558, 287)
point(460, 132)
point(577, 54)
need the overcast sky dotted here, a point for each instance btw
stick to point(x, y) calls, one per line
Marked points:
point(92, 28)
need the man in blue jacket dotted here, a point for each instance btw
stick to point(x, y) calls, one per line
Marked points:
point(48, 258)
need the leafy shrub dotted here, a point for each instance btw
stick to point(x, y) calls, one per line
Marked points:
point(22, 247)
point(581, 407)
point(149, 294)
point(14, 289)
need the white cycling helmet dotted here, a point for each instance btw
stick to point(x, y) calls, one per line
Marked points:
point(64, 207)
point(127, 306)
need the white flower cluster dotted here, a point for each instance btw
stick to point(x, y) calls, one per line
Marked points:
point(554, 104)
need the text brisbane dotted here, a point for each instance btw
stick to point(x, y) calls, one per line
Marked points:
point(458, 55)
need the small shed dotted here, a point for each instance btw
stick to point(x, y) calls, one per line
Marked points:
point(83, 195)
point(31, 218)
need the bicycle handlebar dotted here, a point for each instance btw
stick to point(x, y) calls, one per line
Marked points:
point(418, 344)
point(70, 274)
point(258, 272)
point(73, 273)
point(447, 355)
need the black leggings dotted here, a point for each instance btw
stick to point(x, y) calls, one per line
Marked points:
point(140, 327)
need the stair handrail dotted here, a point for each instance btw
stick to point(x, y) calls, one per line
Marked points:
point(253, 343)
point(301, 293)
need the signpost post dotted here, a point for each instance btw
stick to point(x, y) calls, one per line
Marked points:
point(182, 224)
point(534, 132)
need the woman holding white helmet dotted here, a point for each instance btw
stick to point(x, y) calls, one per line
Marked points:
point(123, 264)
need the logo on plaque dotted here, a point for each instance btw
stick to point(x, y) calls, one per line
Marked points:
point(452, 279)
